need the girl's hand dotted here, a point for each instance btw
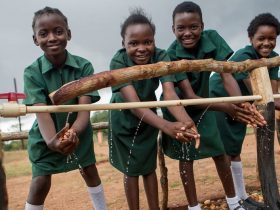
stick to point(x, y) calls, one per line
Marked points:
point(64, 142)
point(247, 113)
point(183, 132)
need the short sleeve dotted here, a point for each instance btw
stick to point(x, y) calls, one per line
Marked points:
point(88, 71)
point(223, 49)
point(181, 76)
point(34, 87)
point(274, 73)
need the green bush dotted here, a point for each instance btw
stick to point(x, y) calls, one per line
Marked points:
point(14, 145)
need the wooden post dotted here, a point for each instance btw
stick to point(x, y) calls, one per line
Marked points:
point(265, 138)
point(163, 174)
point(277, 119)
point(3, 188)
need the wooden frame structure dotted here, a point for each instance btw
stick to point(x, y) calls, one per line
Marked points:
point(261, 90)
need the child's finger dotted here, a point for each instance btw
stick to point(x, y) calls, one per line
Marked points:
point(251, 119)
point(190, 135)
point(65, 143)
point(63, 131)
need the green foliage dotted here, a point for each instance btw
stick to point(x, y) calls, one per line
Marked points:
point(14, 145)
point(100, 116)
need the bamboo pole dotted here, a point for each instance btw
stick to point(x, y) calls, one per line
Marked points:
point(139, 72)
point(265, 138)
point(13, 110)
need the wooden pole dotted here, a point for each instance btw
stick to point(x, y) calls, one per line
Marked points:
point(19, 119)
point(265, 138)
point(139, 72)
point(3, 188)
point(277, 118)
point(13, 109)
point(163, 174)
point(10, 136)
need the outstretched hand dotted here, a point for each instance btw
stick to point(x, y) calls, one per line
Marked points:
point(65, 141)
point(247, 113)
point(183, 132)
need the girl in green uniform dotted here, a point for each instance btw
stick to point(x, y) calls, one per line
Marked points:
point(194, 43)
point(48, 151)
point(262, 32)
point(133, 133)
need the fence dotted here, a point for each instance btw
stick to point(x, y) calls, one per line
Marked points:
point(262, 93)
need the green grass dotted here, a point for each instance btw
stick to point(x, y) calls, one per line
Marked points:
point(16, 164)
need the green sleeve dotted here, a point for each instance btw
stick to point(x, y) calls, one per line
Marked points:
point(181, 76)
point(223, 49)
point(34, 87)
point(118, 64)
point(87, 71)
point(273, 73)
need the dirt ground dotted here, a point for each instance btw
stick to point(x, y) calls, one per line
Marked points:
point(69, 191)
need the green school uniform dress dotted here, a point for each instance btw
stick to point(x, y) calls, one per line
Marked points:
point(232, 132)
point(40, 79)
point(211, 45)
point(133, 143)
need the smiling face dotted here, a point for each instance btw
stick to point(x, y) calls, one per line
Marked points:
point(51, 34)
point(264, 40)
point(139, 43)
point(187, 28)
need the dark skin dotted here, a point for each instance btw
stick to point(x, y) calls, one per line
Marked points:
point(263, 41)
point(52, 34)
point(140, 46)
point(187, 28)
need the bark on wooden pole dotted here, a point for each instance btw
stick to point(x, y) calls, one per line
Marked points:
point(265, 138)
point(277, 118)
point(277, 123)
point(163, 174)
point(139, 72)
point(3, 188)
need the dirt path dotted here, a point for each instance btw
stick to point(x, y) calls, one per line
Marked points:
point(69, 191)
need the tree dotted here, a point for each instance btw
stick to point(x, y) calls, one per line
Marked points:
point(100, 116)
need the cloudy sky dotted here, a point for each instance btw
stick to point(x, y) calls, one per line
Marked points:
point(95, 27)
